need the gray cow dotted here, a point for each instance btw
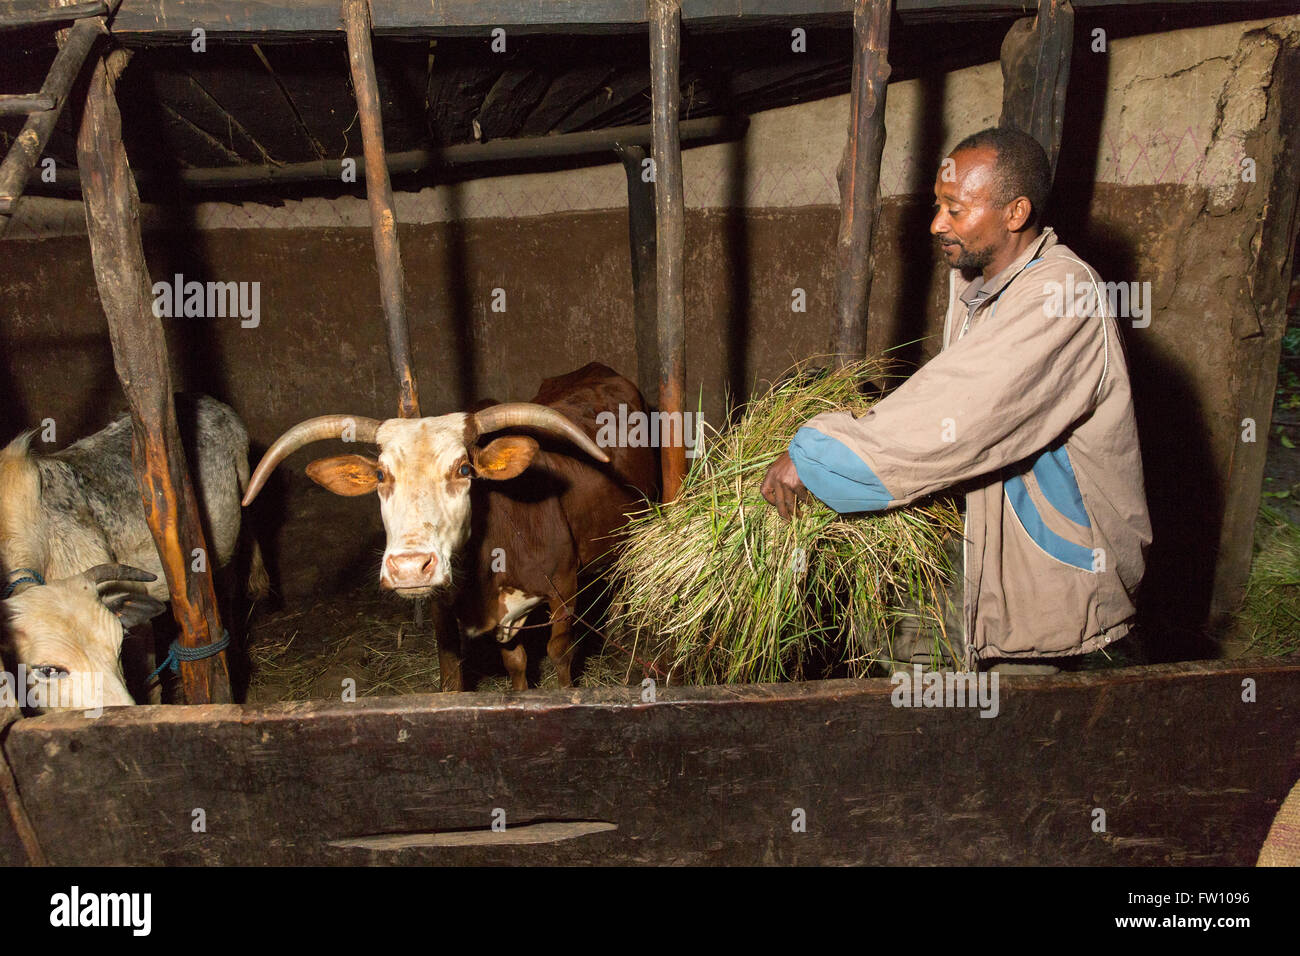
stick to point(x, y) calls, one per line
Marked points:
point(71, 510)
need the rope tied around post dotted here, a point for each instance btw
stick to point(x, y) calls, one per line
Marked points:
point(177, 652)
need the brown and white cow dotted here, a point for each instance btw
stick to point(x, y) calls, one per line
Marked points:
point(493, 527)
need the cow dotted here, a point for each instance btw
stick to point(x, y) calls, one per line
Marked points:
point(495, 527)
point(80, 508)
point(67, 636)
point(73, 509)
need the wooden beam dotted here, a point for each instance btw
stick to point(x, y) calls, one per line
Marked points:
point(670, 229)
point(1035, 73)
point(705, 775)
point(379, 191)
point(27, 148)
point(20, 104)
point(859, 176)
point(140, 357)
point(641, 239)
point(422, 18)
point(712, 129)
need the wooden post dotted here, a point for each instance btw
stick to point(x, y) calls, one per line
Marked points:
point(859, 177)
point(641, 237)
point(140, 357)
point(1035, 72)
point(670, 228)
point(379, 191)
point(1259, 346)
point(15, 825)
point(26, 149)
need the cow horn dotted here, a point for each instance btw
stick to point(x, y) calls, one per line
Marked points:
point(517, 414)
point(304, 433)
point(104, 573)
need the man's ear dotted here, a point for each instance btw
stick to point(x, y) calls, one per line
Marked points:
point(504, 458)
point(1018, 213)
point(345, 474)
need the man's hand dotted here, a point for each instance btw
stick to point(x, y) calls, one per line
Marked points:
point(782, 487)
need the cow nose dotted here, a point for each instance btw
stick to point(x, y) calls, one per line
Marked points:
point(411, 569)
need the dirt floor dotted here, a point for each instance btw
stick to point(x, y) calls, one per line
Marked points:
point(307, 653)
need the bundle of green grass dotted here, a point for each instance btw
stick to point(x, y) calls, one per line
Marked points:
point(717, 588)
point(1269, 620)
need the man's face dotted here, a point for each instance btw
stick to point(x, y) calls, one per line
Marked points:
point(970, 226)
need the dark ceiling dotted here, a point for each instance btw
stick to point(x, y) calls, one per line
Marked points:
point(272, 103)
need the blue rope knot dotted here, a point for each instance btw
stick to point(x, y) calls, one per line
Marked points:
point(177, 653)
point(25, 576)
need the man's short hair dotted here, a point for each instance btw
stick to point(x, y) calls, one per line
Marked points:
point(1022, 166)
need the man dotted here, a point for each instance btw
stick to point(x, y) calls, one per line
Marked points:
point(1027, 408)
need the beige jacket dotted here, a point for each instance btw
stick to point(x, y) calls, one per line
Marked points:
point(1027, 407)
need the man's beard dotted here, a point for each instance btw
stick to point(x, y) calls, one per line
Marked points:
point(969, 261)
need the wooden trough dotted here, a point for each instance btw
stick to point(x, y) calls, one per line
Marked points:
point(1162, 765)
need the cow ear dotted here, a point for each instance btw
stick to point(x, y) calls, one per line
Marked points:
point(133, 609)
point(504, 458)
point(346, 475)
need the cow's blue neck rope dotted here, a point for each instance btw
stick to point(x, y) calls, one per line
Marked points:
point(24, 576)
point(177, 653)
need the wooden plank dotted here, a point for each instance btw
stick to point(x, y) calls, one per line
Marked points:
point(457, 84)
point(237, 82)
point(190, 113)
point(641, 240)
point(19, 845)
point(307, 74)
point(1036, 71)
point(379, 192)
point(859, 176)
point(402, 71)
point(178, 17)
point(563, 96)
point(17, 15)
point(628, 84)
point(509, 101)
point(19, 162)
point(140, 358)
point(670, 230)
point(1260, 345)
point(1185, 771)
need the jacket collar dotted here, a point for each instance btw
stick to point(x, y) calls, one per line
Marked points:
point(1045, 240)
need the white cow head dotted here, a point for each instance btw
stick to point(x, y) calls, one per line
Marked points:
point(67, 635)
point(422, 474)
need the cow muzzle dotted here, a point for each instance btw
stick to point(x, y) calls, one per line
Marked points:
point(412, 574)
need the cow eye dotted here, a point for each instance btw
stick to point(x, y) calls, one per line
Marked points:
point(49, 671)
point(379, 475)
point(465, 470)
